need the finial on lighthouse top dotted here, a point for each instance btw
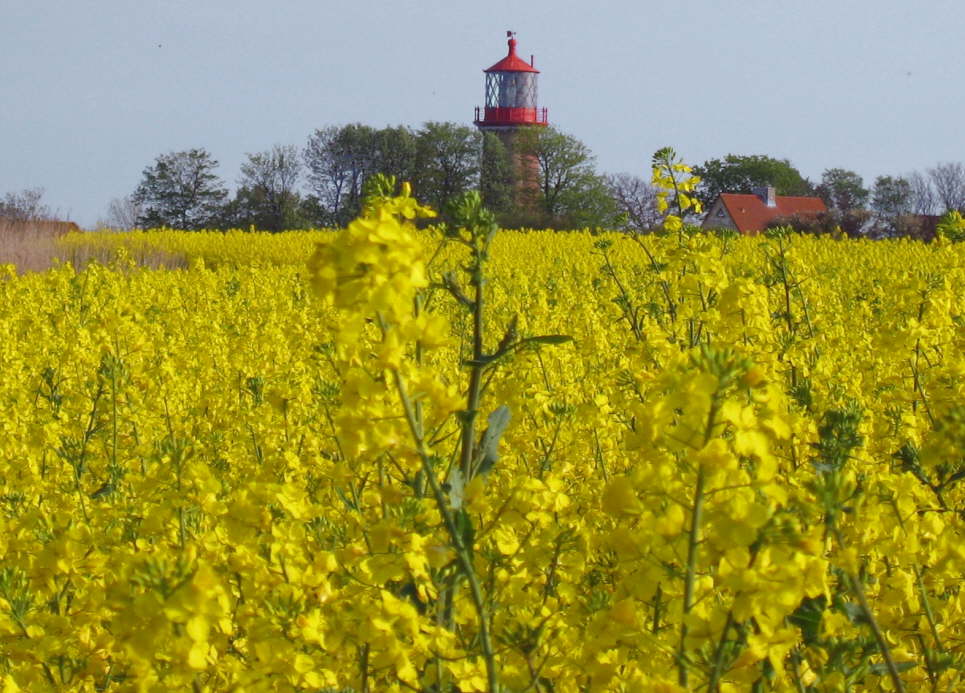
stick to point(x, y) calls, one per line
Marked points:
point(512, 62)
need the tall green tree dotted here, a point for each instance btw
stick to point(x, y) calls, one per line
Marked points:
point(268, 197)
point(745, 174)
point(842, 190)
point(892, 196)
point(339, 159)
point(589, 205)
point(447, 162)
point(497, 180)
point(893, 201)
point(395, 152)
point(570, 192)
point(180, 190)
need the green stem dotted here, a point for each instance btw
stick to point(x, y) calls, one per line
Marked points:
point(788, 312)
point(855, 586)
point(364, 668)
point(796, 671)
point(475, 375)
point(718, 669)
point(462, 551)
point(693, 538)
point(114, 418)
point(629, 314)
point(928, 611)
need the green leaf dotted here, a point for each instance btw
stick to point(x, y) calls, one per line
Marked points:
point(489, 445)
point(105, 490)
point(345, 499)
point(484, 360)
point(855, 613)
point(881, 669)
point(807, 617)
point(547, 339)
point(509, 337)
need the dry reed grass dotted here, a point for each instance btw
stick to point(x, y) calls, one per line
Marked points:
point(29, 245)
point(33, 246)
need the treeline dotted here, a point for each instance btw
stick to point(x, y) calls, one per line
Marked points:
point(322, 183)
point(24, 206)
point(893, 205)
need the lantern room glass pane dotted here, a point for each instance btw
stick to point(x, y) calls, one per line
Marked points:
point(507, 91)
point(526, 89)
point(492, 90)
point(511, 90)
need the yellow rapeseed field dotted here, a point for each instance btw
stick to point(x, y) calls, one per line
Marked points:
point(456, 461)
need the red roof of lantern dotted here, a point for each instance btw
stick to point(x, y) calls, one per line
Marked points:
point(750, 213)
point(512, 62)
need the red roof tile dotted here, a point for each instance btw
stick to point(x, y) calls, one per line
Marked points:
point(750, 214)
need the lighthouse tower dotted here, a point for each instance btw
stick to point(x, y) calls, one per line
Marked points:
point(511, 108)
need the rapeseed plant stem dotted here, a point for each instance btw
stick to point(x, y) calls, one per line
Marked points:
point(854, 585)
point(455, 536)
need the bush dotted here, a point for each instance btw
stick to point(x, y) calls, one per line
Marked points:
point(850, 223)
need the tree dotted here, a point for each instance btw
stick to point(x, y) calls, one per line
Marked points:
point(923, 199)
point(842, 190)
point(447, 162)
point(892, 196)
point(338, 160)
point(948, 180)
point(443, 160)
point(636, 200)
point(562, 161)
point(497, 181)
point(267, 196)
point(180, 190)
point(588, 204)
point(122, 213)
point(24, 206)
point(892, 202)
point(395, 153)
point(569, 191)
point(745, 174)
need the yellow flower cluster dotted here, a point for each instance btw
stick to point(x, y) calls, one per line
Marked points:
point(675, 185)
point(746, 471)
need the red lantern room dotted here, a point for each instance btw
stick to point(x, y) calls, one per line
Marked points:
point(511, 92)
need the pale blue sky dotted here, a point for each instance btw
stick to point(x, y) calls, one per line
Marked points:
point(91, 92)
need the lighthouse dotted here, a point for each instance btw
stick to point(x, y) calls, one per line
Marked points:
point(511, 108)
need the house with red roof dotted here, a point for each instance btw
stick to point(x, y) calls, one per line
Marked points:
point(750, 214)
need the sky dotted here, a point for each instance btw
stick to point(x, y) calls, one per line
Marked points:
point(92, 91)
